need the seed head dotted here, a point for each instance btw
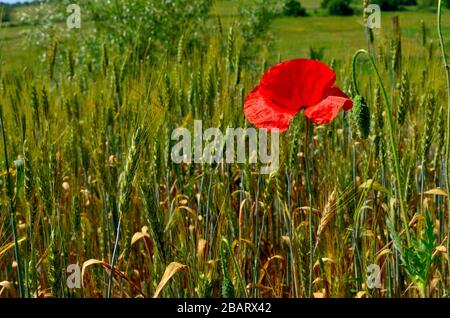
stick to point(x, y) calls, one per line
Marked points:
point(360, 117)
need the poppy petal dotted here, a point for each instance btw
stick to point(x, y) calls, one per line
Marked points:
point(326, 110)
point(289, 87)
point(264, 113)
point(335, 91)
point(297, 83)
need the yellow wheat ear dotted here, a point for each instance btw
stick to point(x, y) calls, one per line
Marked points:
point(12, 172)
point(328, 213)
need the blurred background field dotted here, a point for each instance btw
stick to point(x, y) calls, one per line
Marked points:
point(293, 35)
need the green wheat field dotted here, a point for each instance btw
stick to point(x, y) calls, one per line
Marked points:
point(86, 176)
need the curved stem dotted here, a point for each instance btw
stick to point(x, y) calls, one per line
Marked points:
point(392, 138)
point(355, 84)
point(310, 225)
point(447, 141)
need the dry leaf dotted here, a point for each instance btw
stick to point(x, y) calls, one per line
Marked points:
point(319, 294)
point(143, 235)
point(441, 249)
point(9, 246)
point(137, 236)
point(381, 253)
point(171, 270)
point(286, 239)
point(108, 267)
point(324, 260)
point(361, 294)
point(436, 191)
point(263, 270)
point(201, 248)
point(373, 185)
point(7, 286)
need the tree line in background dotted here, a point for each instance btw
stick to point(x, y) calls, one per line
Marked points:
point(343, 7)
point(5, 12)
point(291, 8)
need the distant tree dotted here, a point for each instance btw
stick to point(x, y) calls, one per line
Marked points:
point(293, 8)
point(425, 3)
point(5, 13)
point(339, 7)
point(447, 3)
point(256, 15)
point(324, 3)
point(388, 5)
point(393, 5)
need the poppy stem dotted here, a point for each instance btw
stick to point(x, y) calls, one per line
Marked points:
point(447, 141)
point(355, 83)
point(310, 220)
point(393, 141)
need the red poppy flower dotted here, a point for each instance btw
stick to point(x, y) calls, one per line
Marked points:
point(291, 86)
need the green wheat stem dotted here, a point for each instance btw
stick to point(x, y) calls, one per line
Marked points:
point(12, 207)
point(113, 259)
point(236, 267)
point(447, 143)
point(392, 138)
point(125, 197)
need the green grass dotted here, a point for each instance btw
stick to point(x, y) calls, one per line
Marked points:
point(13, 54)
point(229, 7)
point(294, 36)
